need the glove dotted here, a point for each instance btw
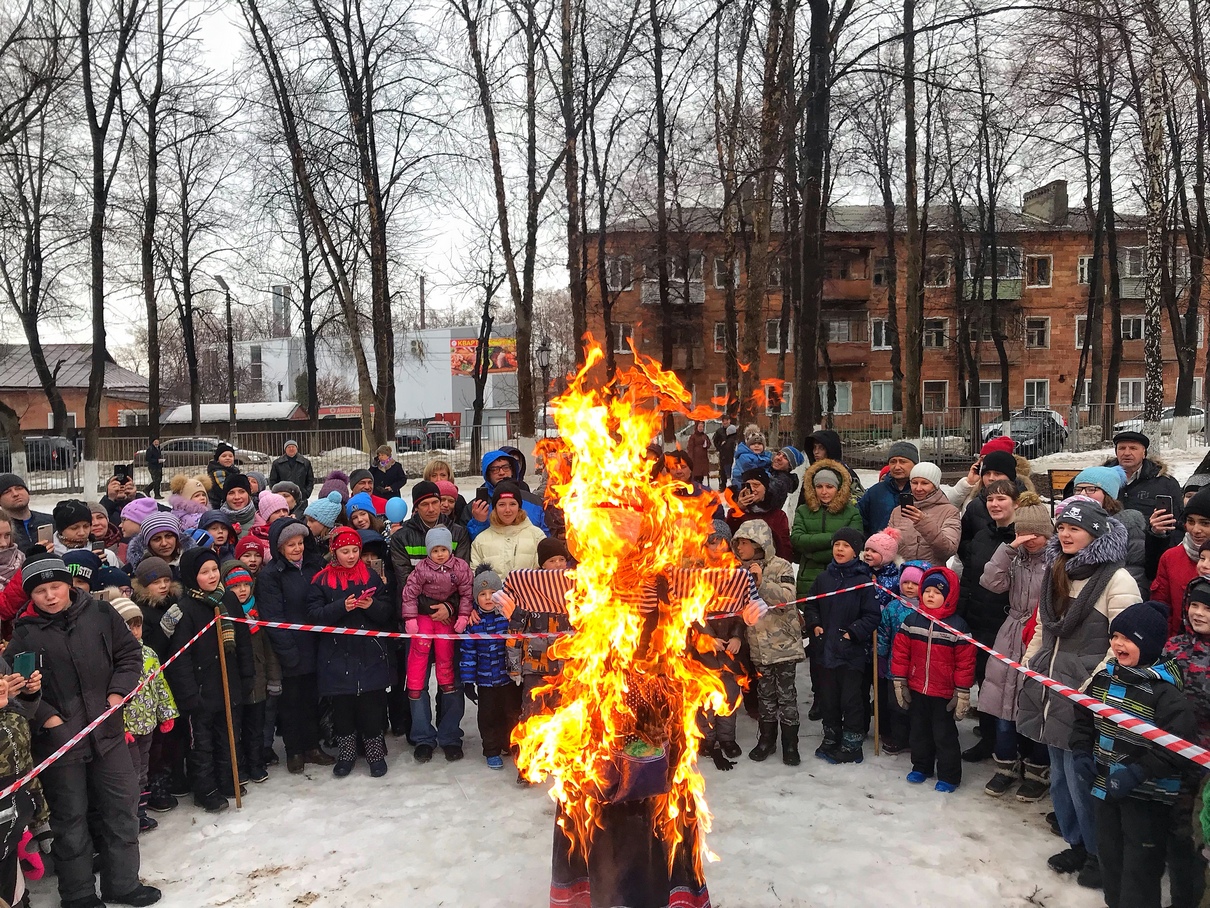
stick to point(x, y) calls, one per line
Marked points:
point(961, 704)
point(903, 693)
point(471, 694)
point(129, 738)
point(721, 763)
point(1123, 780)
point(460, 625)
point(44, 837)
point(227, 634)
point(166, 725)
point(273, 688)
point(1086, 768)
point(412, 626)
point(171, 617)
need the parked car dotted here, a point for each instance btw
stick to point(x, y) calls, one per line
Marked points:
point(440, 435)
point(1197, 421)
point(1036, 434)
point(196, 451)
point(993, 429)
point(42, 452)
point(410, 439)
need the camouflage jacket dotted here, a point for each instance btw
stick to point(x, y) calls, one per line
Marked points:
point(153, 704)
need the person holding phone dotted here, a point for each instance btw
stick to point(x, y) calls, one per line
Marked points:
point(1178, 565)
point(14, 502)
point(930, 527)
point(354, 672)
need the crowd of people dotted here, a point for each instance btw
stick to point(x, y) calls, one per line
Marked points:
point(1107, 590)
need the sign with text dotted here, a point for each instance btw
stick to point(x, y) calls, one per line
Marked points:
point(501, 355)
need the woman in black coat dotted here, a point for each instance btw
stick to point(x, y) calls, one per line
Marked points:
point(196, 678)
point(354, 672)
point(90, 662)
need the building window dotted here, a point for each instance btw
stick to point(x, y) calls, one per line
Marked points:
point(936, 396)
point(720, 337)
point(990, 395)
point(1084, 269)
point(937, 270)
point(1081, 328)
point(775, 275)
point(1037, 270)
point(1132, 327)
point(1037, 331)
point(1037, 394)
point(1130, 393)
point(844, 327)
point(1197, 392)
point(1132, 261)
point(934, 333)
point(257, 367)
point(880, 334)
point(722, 279)
point(1008, 263)
point(773, 335)
point(621, 337)
point(882, 395)
point(844, 398)
point(688, 267)
point(882, 265)
point(771, 397)
point(619, 270)
point(721, 395)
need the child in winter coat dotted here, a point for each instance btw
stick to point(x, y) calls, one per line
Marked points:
point(354, 672)
point(933, 670)
point(436, 590)
point(879, 555)
point(750, 454)
point(843, 626)
point(189, 498)
point(151, 708)
point(1134, 783)
point(484, 670)
point(239, 600)
point(716, 644)
point(775, 641)
point(219, 470)
point(1178, 565)
point(896, 727)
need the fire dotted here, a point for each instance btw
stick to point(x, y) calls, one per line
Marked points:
point(629, 678)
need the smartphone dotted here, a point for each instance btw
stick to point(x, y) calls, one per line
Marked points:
point(25, 664)
point(109, 594)
point(368, 594)
point(1164, 502)
point(46, 533)
point(481, 494)
point(98, 546)
point(907, 500)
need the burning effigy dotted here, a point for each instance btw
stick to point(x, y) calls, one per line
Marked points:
point(617, 738)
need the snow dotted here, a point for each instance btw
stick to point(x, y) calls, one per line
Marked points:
point(461, 834)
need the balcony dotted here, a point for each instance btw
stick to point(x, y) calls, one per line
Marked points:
point(1134, 288)
point(681, 293)
point(835, 288)
point(1006, 289)
point(849, 354)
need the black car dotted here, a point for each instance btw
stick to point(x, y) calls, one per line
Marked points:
point(1035, 435)
point(410, 439)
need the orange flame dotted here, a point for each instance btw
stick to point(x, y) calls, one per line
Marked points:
point(629, 674)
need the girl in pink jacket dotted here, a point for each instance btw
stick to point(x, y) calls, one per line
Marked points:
point(436, 589)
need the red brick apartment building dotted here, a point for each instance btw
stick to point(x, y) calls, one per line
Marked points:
point(1044, 256)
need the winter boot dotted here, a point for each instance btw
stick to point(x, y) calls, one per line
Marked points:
point(789, 745)
point(212, 802)
point(376, 756)
point(1068, 861)
point(1090, 874)
point(346, 755)
point(296, 764)
point(731, 749)
point(850, 749)
point(831, 741)
point(1036, 785)
point(318, 757)
point(159, 798)
point(766, 742)
point(139, 897)
point(146, 823)
point(1007, 774)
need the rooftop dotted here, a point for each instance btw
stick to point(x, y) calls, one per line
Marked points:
point(71, 364)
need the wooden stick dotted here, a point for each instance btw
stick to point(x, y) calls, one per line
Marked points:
point(877, 736)
point(222, 663)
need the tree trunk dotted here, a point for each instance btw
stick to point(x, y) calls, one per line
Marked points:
point(151, 210)
point(913, 298)
point(1154, 148)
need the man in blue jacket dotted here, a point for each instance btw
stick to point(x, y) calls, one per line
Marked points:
point(883, 497)
point(499, 466)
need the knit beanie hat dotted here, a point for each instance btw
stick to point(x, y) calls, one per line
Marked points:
point(885, 544)
point(359, 475)
point(285, 487)
point(159, 522)
point(551, 548)
point(191, 486)
point(722, 530)
point(191, 565)
point(913, 571)
point(825, 477)
point(485, 579)
point(9, 480)
point(929, 471)
point(262, 481)
point(934, 579)
point(326, 509)
point(151, 569)
point(506, 489)
point(271, 503)
point(1198, 590)
point(47, 569)
point(234, 571)
point(424, 490)
point(851, 535)
point(222, 449)
point(753, 436)
point(1003, 443)
point(1145, 624)
point(447, 489)
point(793, 455)
point(69, 512)
point(84, 564)
point(904, 449)
point(1199, 504)
point(1106, 479)
point(362, 501)
point(290, 531)
point(126, 609)
point(1032, 517)
point(336, 481)
point(1000, 462)
point(439, 535)
point(140, 509)
point(248, 543)
point(342, 536)
point(1085, 514)
point(95, 508)
point(109, 575)
point(236, 481)
point(289, 441)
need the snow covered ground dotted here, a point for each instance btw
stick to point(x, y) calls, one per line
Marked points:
point(460, 834)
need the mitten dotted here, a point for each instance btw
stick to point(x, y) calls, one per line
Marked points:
point(721, 762)
point(44, 837)
point(1086, 768)
point(963, 701)
point(170, 620)
point(1123, 780)
point(227, 634)
point(412, 626)
point(166, 725)
point(129, 738)
point(460, 625)
point(471, 694)
point(31, 860)
point(903, 693)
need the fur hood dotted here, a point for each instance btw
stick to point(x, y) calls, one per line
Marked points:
point(841, 501)
point(1107, 549)
point(142, 596)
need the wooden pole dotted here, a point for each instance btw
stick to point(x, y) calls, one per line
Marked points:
point(877, 737)
point(222, 663)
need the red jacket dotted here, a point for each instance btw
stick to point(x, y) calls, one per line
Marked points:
point(1171, 579)
point(934, 661)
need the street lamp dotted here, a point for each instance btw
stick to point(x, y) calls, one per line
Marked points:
point(543, 354)
point(230, 364)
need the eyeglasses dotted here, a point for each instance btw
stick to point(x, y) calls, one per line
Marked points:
point(1086, 490)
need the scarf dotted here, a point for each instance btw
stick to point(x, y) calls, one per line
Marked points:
point(1191, 548)
point(1097, 575)
point(250, 611)
point(339, 578)
point(11, 560)
point(243, 515)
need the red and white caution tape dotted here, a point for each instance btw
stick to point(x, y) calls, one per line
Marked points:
point(389, 635)
point(1174, 743)
point(92, 726)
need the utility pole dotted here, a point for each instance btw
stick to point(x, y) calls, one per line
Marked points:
point(230, 364)
point(422, 302)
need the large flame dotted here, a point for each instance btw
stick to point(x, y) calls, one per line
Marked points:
point(627, 533)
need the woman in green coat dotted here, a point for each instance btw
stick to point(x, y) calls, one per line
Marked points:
point(826, 507)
